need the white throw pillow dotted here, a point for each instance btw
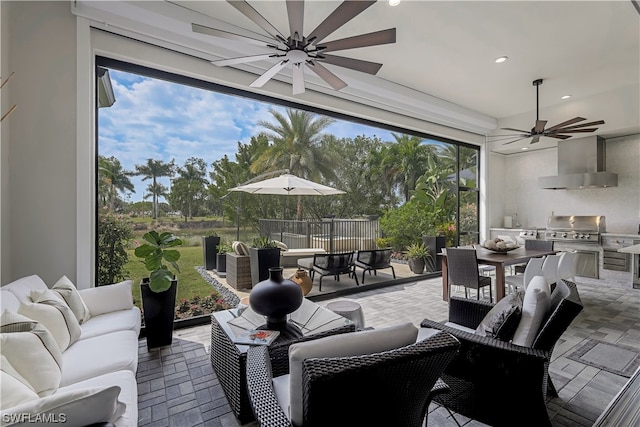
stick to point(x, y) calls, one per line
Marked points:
point(108, 298)
point(32, 352)
point(69, 293)
point(75, 407)
point(14, 389)
point(50, 309)
point(535, 308)
point(342, 345)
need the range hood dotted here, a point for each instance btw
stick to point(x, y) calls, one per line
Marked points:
point(581, 164)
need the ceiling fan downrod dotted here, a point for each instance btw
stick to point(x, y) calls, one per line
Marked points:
point(537, 84)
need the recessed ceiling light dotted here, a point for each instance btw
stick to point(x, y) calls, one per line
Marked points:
point(525, 148)
point(565, 97)
point(501, 59)
point(393, 2)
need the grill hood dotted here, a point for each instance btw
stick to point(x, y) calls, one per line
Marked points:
point(581, 164)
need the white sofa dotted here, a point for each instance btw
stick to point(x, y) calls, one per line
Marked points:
point(104, 355)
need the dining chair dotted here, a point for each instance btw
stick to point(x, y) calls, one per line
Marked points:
point(567, 265)
point(521, 281)
point(550, 268)
point(536, 245)
point(463, 271)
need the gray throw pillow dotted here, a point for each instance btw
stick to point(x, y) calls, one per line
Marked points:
point(503, 319)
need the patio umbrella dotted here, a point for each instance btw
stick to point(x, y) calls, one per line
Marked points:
point(287, 184)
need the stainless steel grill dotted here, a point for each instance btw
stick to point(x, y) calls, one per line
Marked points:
point(575, 229)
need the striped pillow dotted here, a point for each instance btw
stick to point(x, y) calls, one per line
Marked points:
point(13, 387)
point(50, 309)
point(67, 290)
point(32, 352)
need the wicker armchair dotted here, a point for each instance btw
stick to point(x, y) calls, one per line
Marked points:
point(333, 265)
point(491, 379)
point(374, 260)
point(393, 387)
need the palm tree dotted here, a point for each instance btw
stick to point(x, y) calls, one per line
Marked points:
point(189, 188)
point(297, 146)
point(153, 170)
point(406, 161)
point(111, 180)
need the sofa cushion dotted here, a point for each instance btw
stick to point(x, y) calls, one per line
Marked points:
point(535, 307)
point(76, 407)
point(32, 352)
point(50, 309)
point(108, 298)
point(14, 389)
point(23, 287)
point(69, 293)
point(8, 301)
point(503, 318)
point(126, 380)
point(343, 345)
point(121, 320)
point(99, 355)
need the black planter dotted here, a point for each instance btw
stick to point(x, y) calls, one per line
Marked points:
point(416, 265)
point(159, 312)
point(435, 245)
point(221, 263)
point(209, 251)
point(262, 259)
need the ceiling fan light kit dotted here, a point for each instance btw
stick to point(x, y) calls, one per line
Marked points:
point(558, 131)
point(300, 51)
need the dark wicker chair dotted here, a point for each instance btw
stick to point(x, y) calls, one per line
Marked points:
point(492, 379)
point(374, 260)
point(333, 265)
point(462, 267)
point(391, 388)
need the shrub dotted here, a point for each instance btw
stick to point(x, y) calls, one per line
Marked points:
point(113, 235)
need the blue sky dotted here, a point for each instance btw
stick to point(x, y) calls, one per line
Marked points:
point(161, 120)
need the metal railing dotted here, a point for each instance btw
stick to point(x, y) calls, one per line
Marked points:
point(331, 234)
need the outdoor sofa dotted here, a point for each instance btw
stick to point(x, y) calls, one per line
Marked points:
point(73, 365)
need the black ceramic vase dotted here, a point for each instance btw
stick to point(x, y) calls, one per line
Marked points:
point(275, 297)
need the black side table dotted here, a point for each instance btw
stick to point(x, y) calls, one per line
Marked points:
point(229, 360)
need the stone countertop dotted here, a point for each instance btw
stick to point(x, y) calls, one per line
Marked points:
point(635, 249)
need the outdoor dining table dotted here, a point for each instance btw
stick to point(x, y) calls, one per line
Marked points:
point(499, 261)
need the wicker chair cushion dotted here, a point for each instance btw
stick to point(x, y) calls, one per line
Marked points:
point(343, 345)
point(535, 308)
point(503, 319)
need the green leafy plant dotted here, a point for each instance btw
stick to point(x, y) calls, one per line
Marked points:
point(263, 242)
point(155, 251)
point(113, 235)
point(417, 250)
point(224, 247)
point(211, 233)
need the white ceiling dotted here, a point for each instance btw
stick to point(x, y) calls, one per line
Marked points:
point(441, 67)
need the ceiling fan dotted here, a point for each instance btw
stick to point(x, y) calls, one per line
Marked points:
point(558, 131)
point(299, 50)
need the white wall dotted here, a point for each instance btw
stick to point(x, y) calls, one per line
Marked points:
point(519, 192)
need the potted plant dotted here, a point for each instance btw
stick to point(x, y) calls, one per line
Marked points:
point(159, 289)
point(264, 254)
point(210, 242)
point(221, 258)
point(416, 254)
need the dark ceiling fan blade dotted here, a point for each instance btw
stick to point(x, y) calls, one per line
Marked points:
point(535, 139)
point(295, 10)
point(556, 136)
point(354, 64)
point(509, 136)
point(226, 35)
point(298, 79)
point(326, 75)
point(243, 59)
point(567, 123)
point(515, 140)
point(267, 75)
point(582, 125)
point(540, 124)
point(348, 10)
point(247, 10)
point(516, 130)
point(363, 40)
point(575, 130)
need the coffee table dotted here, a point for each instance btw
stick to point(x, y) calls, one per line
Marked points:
point(229, 360)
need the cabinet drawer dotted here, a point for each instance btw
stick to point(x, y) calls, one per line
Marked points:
point(614, 260)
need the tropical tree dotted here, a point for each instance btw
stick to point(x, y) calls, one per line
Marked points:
point(153, 170)
point(111, 180)
point(296, 145)
point(155, 191)
point(405, 161)
point(188, 190)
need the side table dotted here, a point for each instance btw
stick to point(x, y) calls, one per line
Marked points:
point(229, 360)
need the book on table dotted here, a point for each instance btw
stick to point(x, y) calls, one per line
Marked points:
point(255, 337)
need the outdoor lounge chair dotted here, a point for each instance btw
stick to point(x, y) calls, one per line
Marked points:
point(373, 260)
point(491, 379)
point(379, 377)
point(333, 265)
